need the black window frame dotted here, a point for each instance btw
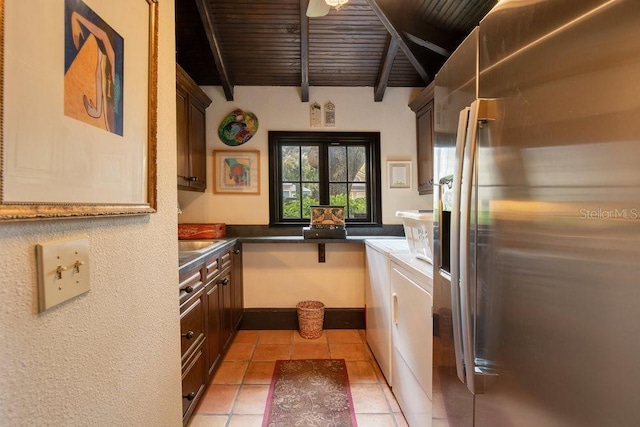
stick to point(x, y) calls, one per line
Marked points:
point(371, 140)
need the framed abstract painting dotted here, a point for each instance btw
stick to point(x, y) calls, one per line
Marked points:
point(236, 172)
point(79, 116)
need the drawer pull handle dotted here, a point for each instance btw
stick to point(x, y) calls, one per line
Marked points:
point(189, 335)
point(188, 289)
point(190, 396)
point(225, 281)
point(191, 178)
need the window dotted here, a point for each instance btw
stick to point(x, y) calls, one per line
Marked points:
point(324, 168)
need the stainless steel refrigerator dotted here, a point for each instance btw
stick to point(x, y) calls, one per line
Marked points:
point(537, 219)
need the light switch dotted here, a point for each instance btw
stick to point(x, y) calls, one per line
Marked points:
point(63, 271)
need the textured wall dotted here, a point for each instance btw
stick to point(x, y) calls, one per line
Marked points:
point(279, 108)
point(109, 357)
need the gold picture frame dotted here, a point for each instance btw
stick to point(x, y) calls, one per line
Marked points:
point(73, 189)
point(236, 171)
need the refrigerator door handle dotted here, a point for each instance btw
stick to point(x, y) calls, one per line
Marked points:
point(481, 110)
point(466, 186)
point(461, 137)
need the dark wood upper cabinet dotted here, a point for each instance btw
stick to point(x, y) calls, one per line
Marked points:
point(423, 107)
point(191, 103)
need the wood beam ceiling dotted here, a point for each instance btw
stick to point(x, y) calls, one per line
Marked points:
point(206, 14)
point(385, 69)
point(400, 41)
point(304, 51)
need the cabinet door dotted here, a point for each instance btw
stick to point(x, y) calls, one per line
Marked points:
point(182, 124)
point(193, 383)
point(213, 328)
point(424, 124)
point(197, 147)
point(237, 287)
point(226, 311)
point(192, 326)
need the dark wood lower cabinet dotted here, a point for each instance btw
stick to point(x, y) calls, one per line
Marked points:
point(192, 339)
point(209, 317)
point(193, 383)
point(213, 328)
point(227, 328)
point(237, 304)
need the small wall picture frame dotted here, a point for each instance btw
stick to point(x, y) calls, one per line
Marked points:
point(236, 172)
point(329, 115)
point(399, 174)
point(316, 115)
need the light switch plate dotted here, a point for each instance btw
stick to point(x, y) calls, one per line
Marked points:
point(63, 271)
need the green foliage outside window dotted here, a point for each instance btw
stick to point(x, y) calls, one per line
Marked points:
point(291, 207)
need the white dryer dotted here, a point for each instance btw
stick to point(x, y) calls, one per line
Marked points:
point(412, 334)
point(378, 298)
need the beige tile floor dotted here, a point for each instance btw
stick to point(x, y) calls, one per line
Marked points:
point(238, 393)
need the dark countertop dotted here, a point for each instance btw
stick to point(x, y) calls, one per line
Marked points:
point(265, 234)
point(300, 239)
point(187, 260)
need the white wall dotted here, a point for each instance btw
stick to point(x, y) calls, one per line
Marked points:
point(110, 357)
point(280, 275)
point(279, 108)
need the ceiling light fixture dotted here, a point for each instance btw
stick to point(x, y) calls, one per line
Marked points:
point(336, 3)
point(322, 7)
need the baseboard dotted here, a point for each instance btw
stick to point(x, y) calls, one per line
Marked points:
point(287, 318)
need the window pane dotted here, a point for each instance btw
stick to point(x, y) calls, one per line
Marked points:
point(310, 163)
point(357, 201)
point(310, 197)
point(338, 195)
point(337, 164)
point(290, 163)
point(312, 169)
point(357, 156)
point(291, 201)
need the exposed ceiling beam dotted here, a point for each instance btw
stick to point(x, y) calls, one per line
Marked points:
point(304, 51)
point(385, 69)
point(396, 35)
point(206, 14)
point(413, 24)
point(426, 43)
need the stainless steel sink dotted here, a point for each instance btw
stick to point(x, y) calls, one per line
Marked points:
point(200, 246)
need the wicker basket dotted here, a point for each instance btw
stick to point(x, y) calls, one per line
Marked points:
point(310, 318)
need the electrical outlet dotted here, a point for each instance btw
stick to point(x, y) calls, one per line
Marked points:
point(63, 271)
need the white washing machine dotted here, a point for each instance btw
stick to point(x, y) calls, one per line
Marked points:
point(412, 334)
point(378, 299)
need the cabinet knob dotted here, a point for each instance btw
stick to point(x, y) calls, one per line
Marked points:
point(189, 335)
point(191, 178)
point(190, 396)
point(237, 251)
point(225, 281)
point(188, 289)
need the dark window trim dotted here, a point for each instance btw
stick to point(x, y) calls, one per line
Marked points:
point(275, 191)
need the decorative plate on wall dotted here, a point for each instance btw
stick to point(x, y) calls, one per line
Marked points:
point(238, 127)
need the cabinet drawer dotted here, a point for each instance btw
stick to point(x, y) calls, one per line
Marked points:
point(225, 260)
point(193, 383)
point(211, 268)
point(192, 326)
point(190, 284)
